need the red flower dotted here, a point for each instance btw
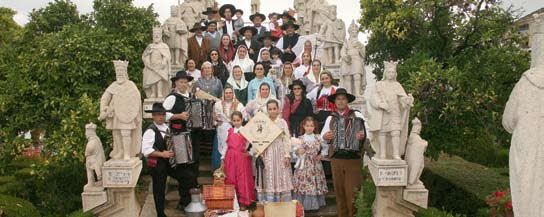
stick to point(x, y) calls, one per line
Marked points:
point(499, 194)
point(508, 205)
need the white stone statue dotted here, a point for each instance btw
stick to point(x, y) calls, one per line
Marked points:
point(94, 159)
point(333, 34)
point(176, 34)
point(389, 111)
point(255, 6)
point(317, 13)
point(415, 158)
point(353, 63)
point(191, 11)
point(121, 108)
point(300, 8)
point(156, 58)
point(524, 118)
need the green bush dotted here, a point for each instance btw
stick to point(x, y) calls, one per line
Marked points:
point(460, 186)
point(366, 196)
point(80, 213)
point(17, 207)
point(434, 212)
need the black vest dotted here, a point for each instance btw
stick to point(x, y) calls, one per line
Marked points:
point(179, 106)
point(160, 144)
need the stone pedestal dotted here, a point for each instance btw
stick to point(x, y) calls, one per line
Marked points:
point(389, 203)
point(92, 199)
point(121, 174)
point(148, 104)
point(417, 196)
point(388, 172)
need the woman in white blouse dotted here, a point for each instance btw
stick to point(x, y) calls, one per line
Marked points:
point(242, 59)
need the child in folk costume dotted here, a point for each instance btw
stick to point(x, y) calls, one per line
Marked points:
point(273, 177)
point(310, 186)
point(237, 163)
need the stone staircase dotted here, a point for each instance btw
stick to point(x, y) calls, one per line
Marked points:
point(205, 178)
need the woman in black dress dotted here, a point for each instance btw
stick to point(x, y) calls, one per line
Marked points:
point(296, 107)
point(219, 68)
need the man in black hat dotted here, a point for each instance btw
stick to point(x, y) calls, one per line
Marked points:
point(155, 150)
point(210, 13)
point(250, 42)
point(226, 11)
point(288, 41)
point(176, 115)
point(198, 45)
point(257, 20)
point(345, 157)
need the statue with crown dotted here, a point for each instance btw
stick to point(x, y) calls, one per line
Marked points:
point(121, 108)
point(157, 62)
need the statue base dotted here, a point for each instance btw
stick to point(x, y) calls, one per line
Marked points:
point(121, 173)
point(416, 196)
point(148, 105)
point(389, 203)
point(92, 199)
point(121, 203)
point(387, 172)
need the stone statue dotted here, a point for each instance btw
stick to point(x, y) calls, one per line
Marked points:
point(317, 12)
point(353, 62)
point(389, 110)
point(156, 58)
point(255, 6)
point(415, 151)
point(300, 8)
point(333, 34)
point(176, 34)
point(191, 11)
point(524, 118)
point(94, 159)
point(121, 108)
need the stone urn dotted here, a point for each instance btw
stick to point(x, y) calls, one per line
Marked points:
point(259, 211)
point(196, 208)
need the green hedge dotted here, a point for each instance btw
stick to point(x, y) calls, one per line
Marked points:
point(459, 186)
point(17, 207)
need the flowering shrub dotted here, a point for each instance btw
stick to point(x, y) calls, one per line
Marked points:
point(500, 204)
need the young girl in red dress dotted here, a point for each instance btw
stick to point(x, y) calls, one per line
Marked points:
point(237, 163)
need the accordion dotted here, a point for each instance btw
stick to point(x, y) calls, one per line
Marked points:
point(200, 114)
point(345, 131)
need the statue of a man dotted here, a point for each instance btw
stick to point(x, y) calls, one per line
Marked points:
point(191, 11)
point(333, 34)
point(121, 108)
point(255, 6)
point(389, 111)
point(175, 34)
point(353, 62)
point(524, 118)
point(94, 157)
point(415, 151)
point(318, 13)
point(156, 58)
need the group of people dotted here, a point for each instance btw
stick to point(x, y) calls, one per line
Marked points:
point(252, 69)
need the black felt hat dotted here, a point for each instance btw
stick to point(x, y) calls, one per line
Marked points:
point(245, 28)
point(290, 23)
point(157, 107)
point(225, 7)
point(198, 26)
point(253, 16)
point(341, 91)
point(297, 83)
point(266, 35)
point(180, 75)
point(209, 11)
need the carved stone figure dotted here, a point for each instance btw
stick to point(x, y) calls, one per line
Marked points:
point(176, 34)
point(353, 63)
point(121, 108)
point(156, 58)
point(255, 6)
point(317, 12)
point(524, 118)
point(389, 110)
point(414, 155)
point(191, 11)
point(333, 34)
point(94, 159)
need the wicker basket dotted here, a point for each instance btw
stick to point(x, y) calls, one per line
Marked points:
point(219, 197)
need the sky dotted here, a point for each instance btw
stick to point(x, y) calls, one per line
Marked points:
point(348, 10)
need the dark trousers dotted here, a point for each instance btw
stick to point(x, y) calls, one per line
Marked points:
point(185, 176)
point(199, 138)
point(346, 177)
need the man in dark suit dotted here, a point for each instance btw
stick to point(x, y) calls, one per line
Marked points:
point(257, 20)
point(226, 12)
point(250, 42)
point(199, 46)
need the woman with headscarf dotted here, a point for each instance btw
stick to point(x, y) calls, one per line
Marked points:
point(311, 79)
point(322, 106)
point(226, 49)
point(239, 84)
point(219, 68)
point(259, 103)
point(223, 110)
point(308, 48)
point(242, 59)
point(264, 58)
point(304, 69)
point(296, 107)
point(253, 86)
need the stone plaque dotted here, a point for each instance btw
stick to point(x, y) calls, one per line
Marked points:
point(418, 197)
point(119, 177)
point(121, 174)
point(388, 173)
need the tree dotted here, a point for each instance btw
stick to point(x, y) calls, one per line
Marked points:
point(460, 59)
point(52, 18)
point(9, 29)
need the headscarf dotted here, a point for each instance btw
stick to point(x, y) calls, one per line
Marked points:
point(243, 63)
point(262, 101)
point(259, 58)
point(232, 82)
point(227, 55)
point(234, 104)
point(311, 75)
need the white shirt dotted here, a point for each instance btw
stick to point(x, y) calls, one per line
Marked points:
point(148, 139)
point(169, 102)
point(300, 71)
point(248, 43)
point(195, 74)
point(230, 29)
point(199, 40)
point(312, 95)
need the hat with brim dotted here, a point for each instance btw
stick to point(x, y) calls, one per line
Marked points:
point(253, 16)
point(210, 22)
point(266, 35)
point(180, 75)
point(341, 91)
point(286, 14)
point(196, 27)
point(225, 7)
point(245, 28)
point(290, 23)
point(297, 83)
point(156, 108)
point(239, 10)
point(209, 11)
